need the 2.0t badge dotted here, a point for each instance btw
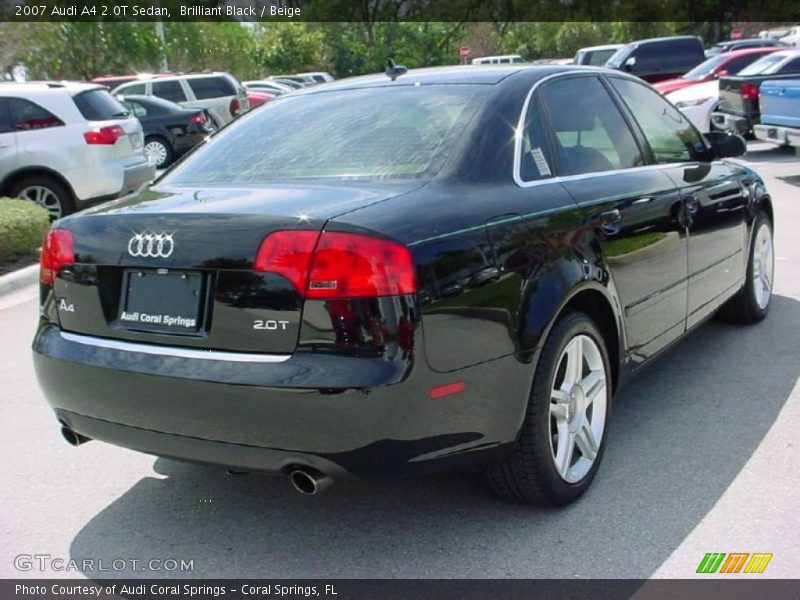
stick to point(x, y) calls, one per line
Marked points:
point(151, 245)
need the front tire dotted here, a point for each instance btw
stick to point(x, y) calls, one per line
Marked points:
point(562, 439)
point(751, 304)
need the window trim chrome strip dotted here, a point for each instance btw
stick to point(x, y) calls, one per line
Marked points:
point(517, 168)
point(172, 351)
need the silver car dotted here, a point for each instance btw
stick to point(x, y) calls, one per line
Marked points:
point(220, 94)
point(65, 145)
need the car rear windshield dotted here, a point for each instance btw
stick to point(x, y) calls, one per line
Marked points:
point(763, 66)
point(370, 133)
point(99, 105)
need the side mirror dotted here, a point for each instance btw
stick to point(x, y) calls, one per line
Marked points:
point(721, 73)
point(629, 64)
point(726, 144)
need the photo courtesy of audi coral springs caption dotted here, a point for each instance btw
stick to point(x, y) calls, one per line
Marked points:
point(404, 273)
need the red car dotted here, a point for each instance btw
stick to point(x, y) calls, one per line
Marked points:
point(717, 66)
point(257, 97)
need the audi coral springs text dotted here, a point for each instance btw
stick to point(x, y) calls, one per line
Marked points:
point(438, 269)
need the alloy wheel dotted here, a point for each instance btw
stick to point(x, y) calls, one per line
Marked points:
point(44, 197)
point(578, 408)
point(763, 266)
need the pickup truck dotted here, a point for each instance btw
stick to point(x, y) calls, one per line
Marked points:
point(739, 109)
point(780, 112)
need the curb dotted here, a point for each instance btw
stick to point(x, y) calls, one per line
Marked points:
point(17, 280)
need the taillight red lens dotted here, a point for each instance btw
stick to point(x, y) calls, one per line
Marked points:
point(104, 136)
point(334, 265)
point(57, 252)
point(235, 106)
point(198, 119)
point(749, 91)
point(288, 253)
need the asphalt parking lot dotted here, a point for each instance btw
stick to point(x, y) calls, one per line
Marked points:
point(703, 457)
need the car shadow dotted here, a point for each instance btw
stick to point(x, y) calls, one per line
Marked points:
point(764, 152)
point(681, 432)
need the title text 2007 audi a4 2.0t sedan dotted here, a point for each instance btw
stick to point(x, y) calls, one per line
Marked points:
point(399, 274)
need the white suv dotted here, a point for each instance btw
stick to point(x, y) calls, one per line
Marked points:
point(64, 145)
point(218, 93)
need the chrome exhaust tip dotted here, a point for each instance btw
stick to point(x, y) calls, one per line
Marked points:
point(308, 482)
point(73, 438)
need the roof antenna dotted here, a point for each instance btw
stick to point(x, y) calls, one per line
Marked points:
point(393, 71)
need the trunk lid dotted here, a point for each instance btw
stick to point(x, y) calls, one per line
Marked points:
point(175, 267)
point(731, 99)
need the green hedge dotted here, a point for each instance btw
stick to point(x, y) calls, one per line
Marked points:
point(22, 227)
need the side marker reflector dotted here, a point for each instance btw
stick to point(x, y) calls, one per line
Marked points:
point(448, 389)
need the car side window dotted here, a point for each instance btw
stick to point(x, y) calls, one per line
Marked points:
point(169, 90)
point(793, 66)
point(6, 125)
point(28, 116)
point(590, 132)
point(137, 109)
point(131, 90)
point(735, 65)
point(671, 136)
point(211, 87)
point(535, 160)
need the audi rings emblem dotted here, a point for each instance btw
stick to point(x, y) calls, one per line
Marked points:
point(151, 245)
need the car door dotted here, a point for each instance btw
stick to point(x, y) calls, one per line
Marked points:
point(631, 209)
point(8, 141)
point(714, 199)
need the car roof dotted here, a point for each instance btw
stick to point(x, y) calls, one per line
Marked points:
point(603, 47)
point(746, 51)
point(153, 78)
point(72, 87)
point(671, 38)
point(451, 75)
point(152, 100)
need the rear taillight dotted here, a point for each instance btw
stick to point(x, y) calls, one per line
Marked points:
point(57, 252)
point(333, 265)
point(750, 91)
point(104, 136)
point(197, 119)
point(235, 107)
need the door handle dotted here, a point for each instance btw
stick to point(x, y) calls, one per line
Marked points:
point(610, 216)
point(644, 200)
point(609, 221)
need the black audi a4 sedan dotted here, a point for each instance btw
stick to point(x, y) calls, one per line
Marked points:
point(437, 269)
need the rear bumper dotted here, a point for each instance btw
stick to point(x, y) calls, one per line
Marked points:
point(371, 418)
point(736, 123)
point(109, 181)
point(136, 176)
point(778, 135)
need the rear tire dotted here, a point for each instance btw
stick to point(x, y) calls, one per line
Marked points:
point(562, 439)
point(751, 303)
point(47, 192)
point(159, 152)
